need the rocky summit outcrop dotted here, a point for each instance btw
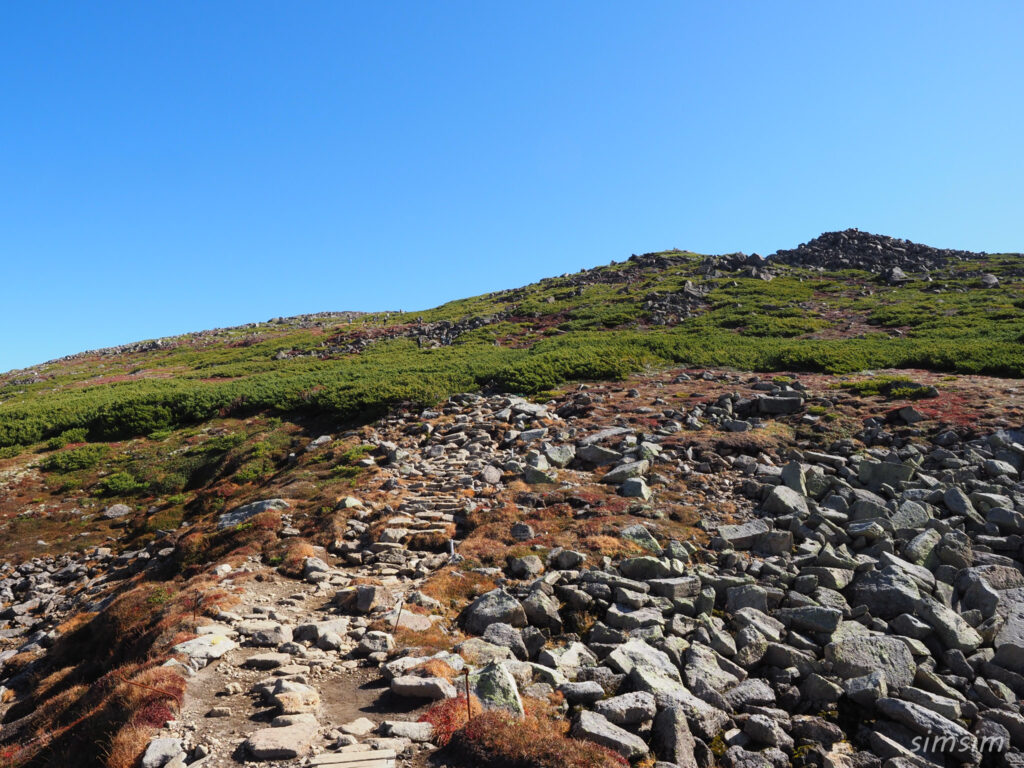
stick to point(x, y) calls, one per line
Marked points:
point(853, 249)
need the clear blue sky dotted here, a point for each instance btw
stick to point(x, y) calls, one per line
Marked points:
point(174, 166)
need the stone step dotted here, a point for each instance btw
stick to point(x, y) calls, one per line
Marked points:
point(369, 758)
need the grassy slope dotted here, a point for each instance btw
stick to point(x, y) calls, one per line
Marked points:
point(802, 320)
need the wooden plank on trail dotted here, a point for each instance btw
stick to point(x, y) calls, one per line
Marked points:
point(370, 758)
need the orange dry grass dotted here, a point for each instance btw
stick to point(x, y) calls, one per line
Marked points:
point(156, 684)
point(51, 681)
point(48, 716)
point(426, 641)
point(609, 545)
point(128, 745)
point(435, 541)
point(499, 740)
point(18, 662)
point(485, 550)
point(77, 621)
point(434, 668)
point(295, 553)
point(449, 715)
point(453, 588)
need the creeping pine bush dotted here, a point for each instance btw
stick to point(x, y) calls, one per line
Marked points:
point(86, 457)
point(893, 387)
point(119, 484)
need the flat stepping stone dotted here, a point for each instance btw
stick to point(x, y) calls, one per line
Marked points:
point(365, 758)
point(285, 743)
point(267, 661)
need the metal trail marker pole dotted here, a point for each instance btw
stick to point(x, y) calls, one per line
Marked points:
point(398, 616)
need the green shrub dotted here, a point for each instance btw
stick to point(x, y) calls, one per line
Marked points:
point(86, 457)
point(119, 484)
point(76, 435)
point(892, 387)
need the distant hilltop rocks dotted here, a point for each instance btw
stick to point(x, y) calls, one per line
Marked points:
point(853, 249)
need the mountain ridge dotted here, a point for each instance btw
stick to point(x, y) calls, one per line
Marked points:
point(849, 248)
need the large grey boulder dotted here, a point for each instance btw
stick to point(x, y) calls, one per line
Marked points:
point(775, 406)
point(641, 536)
point(286, 743)
point(415, 687)
point(204, 649)
point(628, 708)
point(743, 536)
point(115, 511)
point(583, 692)
point(635, 654)
point(598, 455)
point(496, 689)
point(635, 488)
point(911, 515)
point(953, 631)
point(494, 606)
point(874, 474)
point(644, 568)
point(622, 473)
point(958, 741)
point(507, 636)
point(596, 728)
point(703, 674)
point(560, 455)
point(860, 656)
point(161, 751)
point(265, 633)
point(886, 592)
point(241, 514)
point(785, 501)
point(672, 740)
point(959, 503)
point(542, 611)
point(705, 720)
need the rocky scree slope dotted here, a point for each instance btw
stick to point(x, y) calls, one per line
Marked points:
point(861, 593)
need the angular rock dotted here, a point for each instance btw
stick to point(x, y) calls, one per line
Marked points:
point(859, 656)
point(624, 472)
point(204, 649)
point(496, 689)
point(285, 743)
point(594, 727)
point(628, 708)
point(785, 501)
point(243, 513)
point(423, 687)
point(672, 739)
point(494, 606)
point(743, 536)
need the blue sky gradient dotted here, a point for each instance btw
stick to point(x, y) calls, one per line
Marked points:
point(168, 167)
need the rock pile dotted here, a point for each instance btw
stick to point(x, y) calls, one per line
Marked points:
point(41, 592)
point(877, 600)
point(853, 249)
